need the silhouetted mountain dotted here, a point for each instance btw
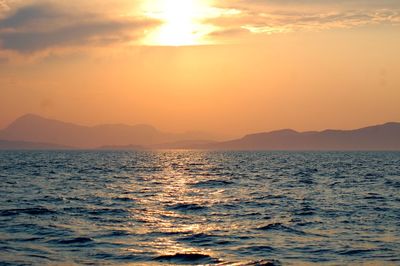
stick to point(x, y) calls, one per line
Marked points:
point(381, 137)
point(23, 145)
point(34, 128)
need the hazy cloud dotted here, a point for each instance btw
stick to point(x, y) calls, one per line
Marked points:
point(42, 25)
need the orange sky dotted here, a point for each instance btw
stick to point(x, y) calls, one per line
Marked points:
point(252, 66)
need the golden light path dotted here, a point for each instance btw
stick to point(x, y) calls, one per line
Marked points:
point(183, 22)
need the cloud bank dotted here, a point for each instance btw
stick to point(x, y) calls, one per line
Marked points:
point(43, 25)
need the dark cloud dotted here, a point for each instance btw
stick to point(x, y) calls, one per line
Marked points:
point(79, 34)
point(38, 27)
point(26, 15)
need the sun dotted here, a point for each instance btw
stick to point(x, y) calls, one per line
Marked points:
point(182, 22)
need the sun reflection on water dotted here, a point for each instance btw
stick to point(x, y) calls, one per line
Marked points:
point(168, 211)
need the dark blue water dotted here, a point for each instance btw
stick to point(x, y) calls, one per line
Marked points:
point(196, 208)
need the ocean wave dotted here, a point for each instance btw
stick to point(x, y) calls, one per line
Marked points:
point(71, 241)
point(280, 228)
point(213, 183)
point(187, 207)
point(187, 258)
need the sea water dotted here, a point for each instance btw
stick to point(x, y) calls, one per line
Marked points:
point(199, 208)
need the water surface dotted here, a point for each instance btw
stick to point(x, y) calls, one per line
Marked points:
point(196, 208)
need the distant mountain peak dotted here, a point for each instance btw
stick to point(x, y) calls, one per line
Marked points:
point(33, 121)
point(284, 131)
point(34, 118)
point(29, 116)
point(391, 124)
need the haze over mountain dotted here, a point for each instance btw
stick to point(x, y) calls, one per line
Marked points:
point(34, 128)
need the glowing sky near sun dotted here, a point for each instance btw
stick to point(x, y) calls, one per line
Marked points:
point(182, 22)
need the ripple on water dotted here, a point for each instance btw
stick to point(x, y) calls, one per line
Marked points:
point(72, 241)
point(187, 258)
point(213, 183)
point(206, 240)
point(187, 207)
point(279, 227)
point(28, 211)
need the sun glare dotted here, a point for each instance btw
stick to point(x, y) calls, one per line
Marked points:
point(182, 22)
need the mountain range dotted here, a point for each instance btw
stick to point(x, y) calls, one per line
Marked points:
point(34, 128)
point(35, 132)
point(380, 137)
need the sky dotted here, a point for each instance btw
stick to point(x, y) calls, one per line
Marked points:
point(227, 67)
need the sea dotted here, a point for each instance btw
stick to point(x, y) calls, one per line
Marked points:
point(199, 208)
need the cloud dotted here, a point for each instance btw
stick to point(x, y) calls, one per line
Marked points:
point(97, 32)
point(29, 14)
point(228, 32)
point(363, 4)
point(42, 26)
point(276, 16)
